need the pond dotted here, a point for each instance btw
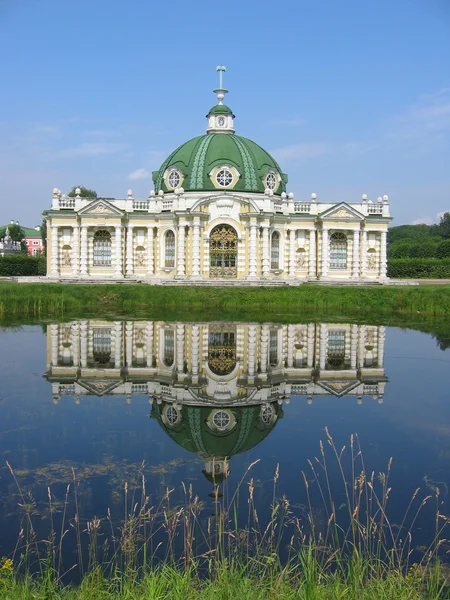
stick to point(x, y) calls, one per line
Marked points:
point(97, 415)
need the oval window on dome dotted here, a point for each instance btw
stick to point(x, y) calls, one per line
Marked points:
point(173, 179)
point(224, 177)
point(271, 180)
point(221, 419)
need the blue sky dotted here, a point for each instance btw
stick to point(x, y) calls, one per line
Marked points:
point(350, 96)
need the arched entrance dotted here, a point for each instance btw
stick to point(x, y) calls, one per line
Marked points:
point(223, 252)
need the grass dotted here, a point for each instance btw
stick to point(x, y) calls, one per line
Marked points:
point(41, 300)
point(184, 552)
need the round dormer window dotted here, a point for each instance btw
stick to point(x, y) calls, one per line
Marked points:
point(173, 180)
point(267, 414)
point(271, 180)
point(221, 419)
point(224, 177)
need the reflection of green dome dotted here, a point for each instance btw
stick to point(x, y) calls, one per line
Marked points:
point(194, 435)
point(197, 159)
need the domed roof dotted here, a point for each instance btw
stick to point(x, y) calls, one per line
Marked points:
point(199, 160)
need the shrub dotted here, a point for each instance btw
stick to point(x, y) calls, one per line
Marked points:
point(423, 250)
point(22, 265)
point(443, 249)
point(400, 249)
point(419, 268)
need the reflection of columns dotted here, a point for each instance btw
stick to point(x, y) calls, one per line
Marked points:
point(252, 256)
point(54, 334)
point(118, 344)
point(180, 349)
point(150, 251)
point(290, 346)
point(83, 343)
point(356, 252)
point(130, 250)
point(292, 234)
point(54, 265)
point(149, 344)
point(353, 346)
point(84, 250)
point(196, 248)
point(364, 253)
point(75, 249)
point(362, 345)
point(383, 266)
point(312, 253)
point(264, 347)
point(265, 251)
point(195, 338)
point(181, 254)
point(119, 259)
point(129, 343)
point(76, 344)
point(310, 347)
point(251, 350)
point(323, 346)
point(325, 252)
point(380, 348)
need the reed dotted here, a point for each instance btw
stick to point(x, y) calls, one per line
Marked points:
point(170, 551)
point(41, 300)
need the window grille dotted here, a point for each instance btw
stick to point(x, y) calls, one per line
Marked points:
point(273, 348)
point(336, 347)
point(221, 419)
point(101, 348)
point(275, 251)
point(169, 347)
point(102, 248)
point(338, 250)
point(169, 256)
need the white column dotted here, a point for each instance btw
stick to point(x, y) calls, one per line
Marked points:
point(119, 257)
point(383, 265)
point(84, 250)
point(265, 251)
point(252, 256)
point(325, 252)
point(353, 347)
point(323, 346)
point(181, 254)
point(251, 350)
point(130, 250)
point(364, 253)
point(149, 344)
point(150, 250)
point(76, 250)
point(290, 346)
point(362, 345)
point(195, 338)
point(196, 248)
point(83, 343)
point(310, 347)
point(54, 336)
point(312, 253)
point(76, 344)
point(356, 252)
point(117, 344)
point(180, 350)
point(129, 343)
point(54, 264)
point(380, 345)
point(264, 347)
point(292, 234)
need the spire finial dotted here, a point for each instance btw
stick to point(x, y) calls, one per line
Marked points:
point(221, 91)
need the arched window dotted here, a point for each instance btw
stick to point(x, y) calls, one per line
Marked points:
point(169, 250)
point(102, 248)
point(275, 251)
point(336, 349)
point(338, 250)
point(169, 347)
point(222, 349)
point(101, 345)
point(273, 348)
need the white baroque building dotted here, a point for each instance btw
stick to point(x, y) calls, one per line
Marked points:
point(219, 210)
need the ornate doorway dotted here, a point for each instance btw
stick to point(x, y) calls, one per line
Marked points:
point(223, 252)
point(221, 349)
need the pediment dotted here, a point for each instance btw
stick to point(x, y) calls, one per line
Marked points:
point(342, 211)
point(101, 207)
point(100, 387)
point(338, 388)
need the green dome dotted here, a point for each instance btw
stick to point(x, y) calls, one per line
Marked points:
point(220, 109)
point(197, 158)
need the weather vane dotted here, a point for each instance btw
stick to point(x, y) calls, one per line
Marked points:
point(221, 70)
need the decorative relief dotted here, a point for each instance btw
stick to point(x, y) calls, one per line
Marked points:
point(301, 260)
point(371, 261)
point(140, 257)
point(66, 257)
point(342, 213)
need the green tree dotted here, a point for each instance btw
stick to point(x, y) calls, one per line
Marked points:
point(84, 192)
point(443, 228)
point(16, 233)
point(44, 235)
point(443, 249)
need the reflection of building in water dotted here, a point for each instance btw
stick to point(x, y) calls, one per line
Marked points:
point(216, 389)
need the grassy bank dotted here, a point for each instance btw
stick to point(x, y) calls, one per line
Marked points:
point(202, 549)
point(42, 300)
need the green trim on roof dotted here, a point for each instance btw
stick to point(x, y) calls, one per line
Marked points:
point(220, 109)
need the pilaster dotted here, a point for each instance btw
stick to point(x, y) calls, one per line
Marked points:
point(356, 254)
point(150, 250)
point(383, 264)
point(380, 345)
point(265, 251)
point(149, 343)
point(129, 343)
point(119, 258)
point(310, 346)
point(83, 343)
point(264, 348)
point(130, 250)
point(180, 351)
point(196, 248)
point(323, 346)
point(251, 351)
point(292, 234)
point(325, 252)
point(181, 254)
point(312, 272)
point(84, 250)
point(75, 249)
point(364, 253)
point(117, 344)
point(54, 265)
point(252, 254)
point(195, 338)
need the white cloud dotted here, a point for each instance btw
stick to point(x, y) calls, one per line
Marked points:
point(423, 221)
point(139, 174)
point(300, 151)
